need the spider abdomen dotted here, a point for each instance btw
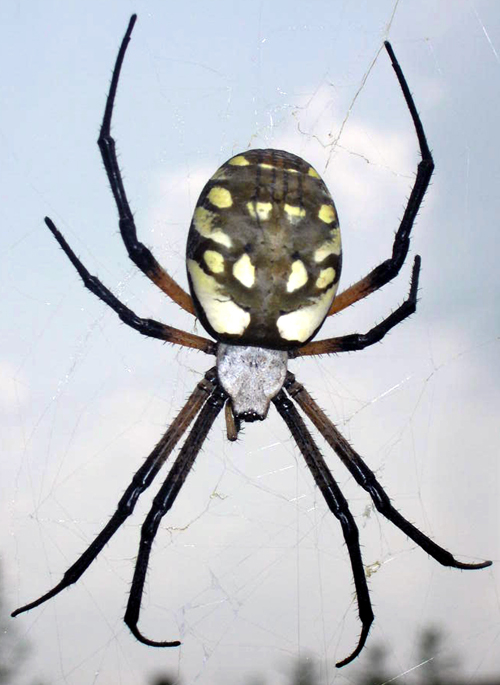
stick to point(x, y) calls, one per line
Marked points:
point(264, 251)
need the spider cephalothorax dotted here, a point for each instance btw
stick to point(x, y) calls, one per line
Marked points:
point(263, 261)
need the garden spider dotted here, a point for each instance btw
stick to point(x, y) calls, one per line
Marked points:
point(263, 261)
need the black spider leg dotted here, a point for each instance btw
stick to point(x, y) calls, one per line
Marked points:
point(149, 327)
point(161, 505)
point(339, 507)
point(141, 480)
point(389, 269)
point(366, 478)
point(358, 341)
point(138, 252)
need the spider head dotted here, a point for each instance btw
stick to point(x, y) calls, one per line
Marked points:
point(251, 376)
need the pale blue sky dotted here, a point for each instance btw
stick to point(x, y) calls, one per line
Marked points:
point(250, 569)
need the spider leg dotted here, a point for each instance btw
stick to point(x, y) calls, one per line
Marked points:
point(149, 327)
point(138, 252)
point(233, 424)
point(366, 478)
point(161, 505)
point(339, 507)
point(141, 480)
point(386, 271)
point(358, 341)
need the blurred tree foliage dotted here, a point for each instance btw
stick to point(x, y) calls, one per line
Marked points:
point(13, 651)
point(435, 666)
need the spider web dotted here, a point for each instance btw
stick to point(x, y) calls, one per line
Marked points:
point(250, 569)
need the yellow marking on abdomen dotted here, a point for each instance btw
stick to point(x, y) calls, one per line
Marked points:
point(326, 276)
point(239, 160)
point(224, 315)
point(299, 325)
point(203, 222)
point(298, 276)
point(220, 197)
point(327, 214)
point(244, 271)
point(260, 210)
point(312, 172)
point(294, 213)
point(214, 261)
point(329, 247)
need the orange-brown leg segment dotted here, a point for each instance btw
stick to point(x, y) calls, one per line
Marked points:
point(386, 271)
point(232, 423)
point(149, 327)
point(358, 341)
point(138, 252)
